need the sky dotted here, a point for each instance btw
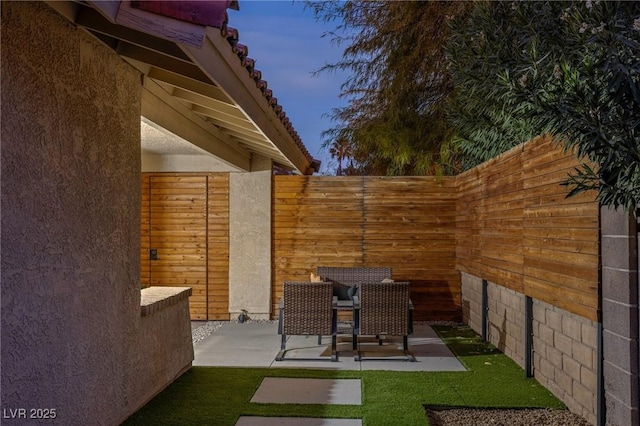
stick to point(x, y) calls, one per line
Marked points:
point(287, 44)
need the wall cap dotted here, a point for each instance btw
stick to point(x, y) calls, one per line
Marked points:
point(154, 299)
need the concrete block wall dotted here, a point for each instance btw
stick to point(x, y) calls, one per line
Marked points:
point(564, 345)
point(565, 357)
point(505, 316)
point(620, 317)
point(472, 301)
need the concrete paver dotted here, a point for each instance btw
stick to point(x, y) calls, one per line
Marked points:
point(285, 390)
point(295, 421)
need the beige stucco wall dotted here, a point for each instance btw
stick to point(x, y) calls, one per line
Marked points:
point(71, 323)
point(183, 163)
point(250, 244)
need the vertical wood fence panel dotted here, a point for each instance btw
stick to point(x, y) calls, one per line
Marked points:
point(317, 220)
point(178, 233)
point(145, 271)
point(561, 238)
point(218, 246)
point(410, 224)
point(507, 221)
point(185, 217)
point(407, 223)
point(489, 218)
point(516, 227)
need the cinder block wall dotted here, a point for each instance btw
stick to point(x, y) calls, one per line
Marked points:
point(564, 345)
point(620, 317)
point(506, 321)
point(565, 357)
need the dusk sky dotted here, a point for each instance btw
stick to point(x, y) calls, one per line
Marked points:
point(285, 40)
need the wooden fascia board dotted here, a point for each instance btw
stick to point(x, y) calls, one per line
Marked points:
point(168, 112)
point(218, 62)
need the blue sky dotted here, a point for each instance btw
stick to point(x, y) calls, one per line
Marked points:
point(285, 40)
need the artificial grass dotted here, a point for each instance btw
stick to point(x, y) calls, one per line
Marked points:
point(219, 396)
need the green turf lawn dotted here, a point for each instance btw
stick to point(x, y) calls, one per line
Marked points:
point(219, 396)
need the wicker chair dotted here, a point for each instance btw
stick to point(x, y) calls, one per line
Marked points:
point(383, 309)
point(307, 309)
point(348, 276)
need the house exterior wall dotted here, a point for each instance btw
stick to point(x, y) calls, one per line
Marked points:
point(564, 345)
point(182, 163)
point(250, 244)
point(72, 332)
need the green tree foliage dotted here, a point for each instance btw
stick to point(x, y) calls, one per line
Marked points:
point(341, 150)
point(568, 68)
point(395, 119)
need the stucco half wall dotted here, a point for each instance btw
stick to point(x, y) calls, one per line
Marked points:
point(73, 337)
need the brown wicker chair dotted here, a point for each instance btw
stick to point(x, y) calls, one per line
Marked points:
point(307, 309)
point(349, 276)
point(383, 309)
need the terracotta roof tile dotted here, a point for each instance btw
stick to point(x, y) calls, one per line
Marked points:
point(214, 14)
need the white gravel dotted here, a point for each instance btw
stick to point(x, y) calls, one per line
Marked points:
point(201, 332)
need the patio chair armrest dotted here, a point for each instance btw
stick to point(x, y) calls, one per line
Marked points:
point(280, 309)
point(410, 317)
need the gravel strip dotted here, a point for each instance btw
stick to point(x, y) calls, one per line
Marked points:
point(200, 333)
point(503, 417)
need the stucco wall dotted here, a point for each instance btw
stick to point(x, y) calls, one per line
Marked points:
point(250, 244)
point(71, 323)
point(182, 163)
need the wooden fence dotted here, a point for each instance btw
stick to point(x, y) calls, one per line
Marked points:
point(506, 221)
point(407, 223)
point(185, 219)
point(516, 228)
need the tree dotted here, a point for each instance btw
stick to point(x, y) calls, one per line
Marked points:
point(395, 117)
point(568, 68)
point(341, 150)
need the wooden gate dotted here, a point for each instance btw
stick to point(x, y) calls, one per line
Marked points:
point(178, 236)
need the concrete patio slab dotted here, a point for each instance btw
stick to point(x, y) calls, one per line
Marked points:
point(250, 344)
point(285, 390)
point(295, 421)
point(256, 344)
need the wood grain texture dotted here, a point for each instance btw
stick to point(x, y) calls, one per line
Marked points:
point(507, 221)
point(406, 223)
point(530, 237)
point(186, 218)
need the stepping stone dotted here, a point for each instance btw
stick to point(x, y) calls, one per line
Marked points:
point(284, 390)
point(295, 421)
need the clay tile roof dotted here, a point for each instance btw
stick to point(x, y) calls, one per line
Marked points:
point(209, 13)
point(214, 14)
